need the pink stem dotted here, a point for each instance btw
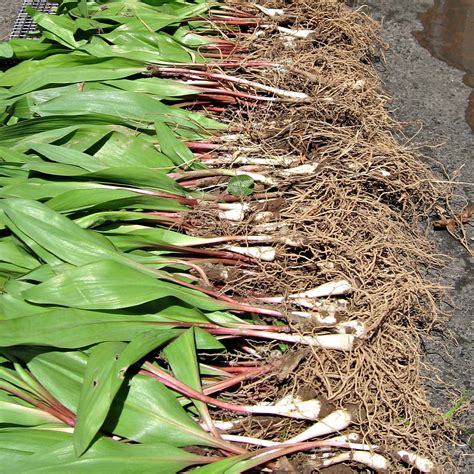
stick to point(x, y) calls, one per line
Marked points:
point(188, 391)
point(218, 387)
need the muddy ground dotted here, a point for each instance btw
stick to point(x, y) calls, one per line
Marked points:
point(430, 98)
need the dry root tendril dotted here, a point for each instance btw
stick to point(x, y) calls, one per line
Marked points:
point(356, 216)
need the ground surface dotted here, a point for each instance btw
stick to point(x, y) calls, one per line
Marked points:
point(430, 96)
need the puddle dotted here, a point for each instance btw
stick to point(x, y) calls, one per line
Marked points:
point(448, 33)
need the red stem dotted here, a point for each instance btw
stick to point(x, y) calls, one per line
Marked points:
point(188, 391)
point(218, 387)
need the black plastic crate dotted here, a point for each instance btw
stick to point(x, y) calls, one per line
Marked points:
point(24, 25)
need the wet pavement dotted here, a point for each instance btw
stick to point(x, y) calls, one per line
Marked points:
point(448, 33)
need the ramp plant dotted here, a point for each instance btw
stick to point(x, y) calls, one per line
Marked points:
point(115, 339)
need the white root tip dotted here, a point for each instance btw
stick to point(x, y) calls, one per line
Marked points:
point(339, 342)
point(336, 421)
point(373, 460)
point(224, 425)
point(266, 254)
point(340, 287)
point(267, 227)
point(356, 328)
point(358, 85)
point(329, 320)
point(293, 407)
point(272, 12)
point(306, 410)
point(233, 215)
point(264, 216)
point(420, 463)
point(259, 178)
point(300, 170)
point(347, 438)
point(302, 34)
point(384, 173)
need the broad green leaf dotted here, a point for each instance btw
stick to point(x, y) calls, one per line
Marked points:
point(105, 373)
point(171, 146)
point(79, 199)
point(157, 87)
point(61, 28)
point(124, 106)
point(182, 358)
point(138, 176)
point(103, 199)
point(50, 129)
point(61, 373)
point(151, 413)
point(241, 185)
point(128, 150)
point(12, 251)
point(137, 235)
point(69, 156)
point(53, 452)
point(66, 69)
point(40, 189)
point(145, 411)
point(24, 48)
point(98, 391)
point(107, 455)
point(6, 50)
point(54, 232)
point(17, 444)
point(16, 414)
point(100, 218)
point(107, 284)
point(67, 328)
point(160, 50)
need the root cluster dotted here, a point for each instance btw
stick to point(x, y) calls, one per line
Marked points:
point(356, 216)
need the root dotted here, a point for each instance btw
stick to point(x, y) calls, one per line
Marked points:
point(357, 217)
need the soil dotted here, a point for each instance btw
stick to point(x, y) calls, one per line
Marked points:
point(430, 98)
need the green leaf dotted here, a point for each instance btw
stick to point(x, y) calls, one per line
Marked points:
point(68, 328)
point(13, 252)
point(105, 373)
point(6, 50)
point(107, 284)
point(157, 87)
point(24, 48)
point(181, 355)
point(145, 411)
point(66, 69)
point(151, 413)
point(69, 156)
point(155, 48)
point(54, 232)
point(53, 452)
point(129, 150)
point(171, 146)
point(17, 414)
point(18, 444)
point(61, 28)
point(241, 185)
point(98, 391)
